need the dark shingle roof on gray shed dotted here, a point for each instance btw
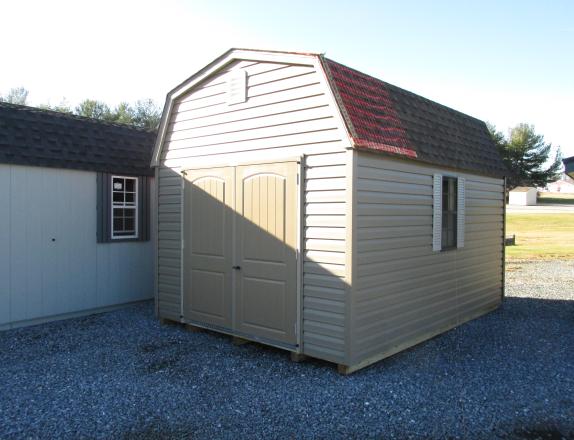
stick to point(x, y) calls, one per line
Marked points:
point(386, 118)
point(33, 136)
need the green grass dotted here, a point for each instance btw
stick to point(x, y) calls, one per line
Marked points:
point(540, 236)
point(556, 198)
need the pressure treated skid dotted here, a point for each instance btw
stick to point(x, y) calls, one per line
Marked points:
point(368, 283)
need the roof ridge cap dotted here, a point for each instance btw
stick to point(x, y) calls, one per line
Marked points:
point(61, 114)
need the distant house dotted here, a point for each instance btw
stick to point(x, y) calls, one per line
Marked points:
point(569, 165)
point(565, 185)
point(522, 195)
point(75, 216)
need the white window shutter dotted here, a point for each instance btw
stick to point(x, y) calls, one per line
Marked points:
point(460, 213)
point(237, 87)
point(437, 213)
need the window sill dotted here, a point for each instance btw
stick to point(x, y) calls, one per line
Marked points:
point(126, 240)
point(450, 248)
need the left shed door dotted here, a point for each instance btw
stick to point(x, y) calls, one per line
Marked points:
point(208, 216)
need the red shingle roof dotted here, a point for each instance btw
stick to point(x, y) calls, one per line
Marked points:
point(386, 118)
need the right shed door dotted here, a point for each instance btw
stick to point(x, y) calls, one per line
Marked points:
point(265, 251)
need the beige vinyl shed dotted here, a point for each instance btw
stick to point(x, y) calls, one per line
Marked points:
point(308, 206)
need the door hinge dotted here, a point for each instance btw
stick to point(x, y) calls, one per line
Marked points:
point(297, 178)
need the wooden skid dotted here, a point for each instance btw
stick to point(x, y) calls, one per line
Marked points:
point(298, 357)
point(167, 321)
point(239, 341)
point(193, 328)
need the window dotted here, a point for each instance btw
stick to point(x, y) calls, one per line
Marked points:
point(449, 212)
point(124, 207)
point(123, 204)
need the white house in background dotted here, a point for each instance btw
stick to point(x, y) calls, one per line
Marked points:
point(74, 215)
point(523, 195)
point(565, 185)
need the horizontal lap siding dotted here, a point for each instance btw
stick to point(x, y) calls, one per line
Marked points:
point(287, 114)
point(403, 291)
point(169, 243)
point(324, 271)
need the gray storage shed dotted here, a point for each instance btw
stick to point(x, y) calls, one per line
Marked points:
point(74, 217)
point(309, 206)
point(569, 166)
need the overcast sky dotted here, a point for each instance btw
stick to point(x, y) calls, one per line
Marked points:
point(501, 61)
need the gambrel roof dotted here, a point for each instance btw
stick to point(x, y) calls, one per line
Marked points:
point(33, 136)
point(378, 116)
point(386, 118)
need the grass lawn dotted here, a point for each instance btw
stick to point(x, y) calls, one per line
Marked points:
point(558, 198)
point(540, 236)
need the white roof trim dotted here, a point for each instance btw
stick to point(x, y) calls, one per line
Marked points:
point(218, 64)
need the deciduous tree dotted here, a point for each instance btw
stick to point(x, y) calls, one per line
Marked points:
point(16, 95)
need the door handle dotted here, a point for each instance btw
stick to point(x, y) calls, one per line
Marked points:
point(237, 267)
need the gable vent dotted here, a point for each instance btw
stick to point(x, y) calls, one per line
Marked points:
point(237, 87)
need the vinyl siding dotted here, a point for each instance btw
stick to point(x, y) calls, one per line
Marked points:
point(288, 114)
point(169, 244)
point(404, 292)
point(324, 270)
point(50, 263)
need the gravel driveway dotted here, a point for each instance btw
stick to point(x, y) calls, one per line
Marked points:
point(509, 374)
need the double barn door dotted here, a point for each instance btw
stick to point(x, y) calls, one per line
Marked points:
point(239, 255)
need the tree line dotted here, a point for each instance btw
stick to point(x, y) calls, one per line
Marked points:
point(143, 113)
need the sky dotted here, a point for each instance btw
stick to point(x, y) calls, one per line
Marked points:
point(505, 62)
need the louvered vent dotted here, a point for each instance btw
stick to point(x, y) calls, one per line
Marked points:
point(237, 87)
point(460, 214)
point(437, 213)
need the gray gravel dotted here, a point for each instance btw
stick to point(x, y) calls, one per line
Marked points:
point(509, 374)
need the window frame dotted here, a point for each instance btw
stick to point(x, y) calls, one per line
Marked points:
point(134, 207)
point(453, 212)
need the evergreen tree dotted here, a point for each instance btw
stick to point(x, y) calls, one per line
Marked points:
point(146, 114)
point(526, 155)
point(90, 108)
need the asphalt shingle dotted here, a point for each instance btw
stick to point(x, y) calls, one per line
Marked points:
point(386, 118)
point(33, 136)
